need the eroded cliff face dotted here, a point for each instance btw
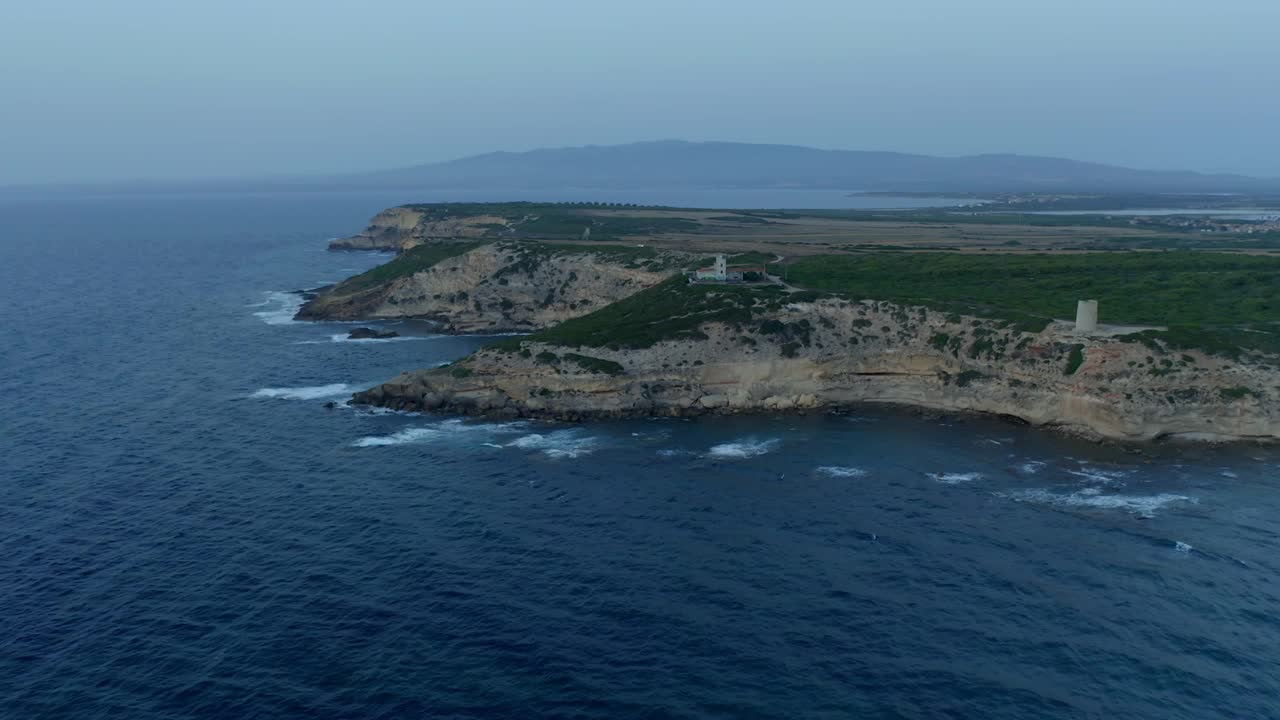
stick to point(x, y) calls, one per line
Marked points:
point(400, 228)
point(835, 353)
point(502, 287)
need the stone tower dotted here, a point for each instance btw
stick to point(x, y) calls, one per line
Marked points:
point(1086, 316)
point(722, 267)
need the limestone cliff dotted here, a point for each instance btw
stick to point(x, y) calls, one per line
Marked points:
point(496, 287)
point(805, 353)
point(401, 228)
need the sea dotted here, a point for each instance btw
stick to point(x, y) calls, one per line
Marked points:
point(187, 531)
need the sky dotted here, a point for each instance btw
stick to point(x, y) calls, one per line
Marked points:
point(150, 89)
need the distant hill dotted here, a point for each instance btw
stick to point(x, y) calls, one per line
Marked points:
point(676, 164)
point(672, 163)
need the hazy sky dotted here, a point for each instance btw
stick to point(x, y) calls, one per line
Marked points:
point(92, 90)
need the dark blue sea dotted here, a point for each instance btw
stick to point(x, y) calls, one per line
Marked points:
point(187, 532)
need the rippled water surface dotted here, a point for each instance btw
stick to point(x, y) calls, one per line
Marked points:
point(186, 531)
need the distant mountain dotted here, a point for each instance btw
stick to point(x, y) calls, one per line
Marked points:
point(673, 163)
point(676, 164)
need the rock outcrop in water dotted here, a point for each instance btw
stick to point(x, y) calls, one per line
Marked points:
point(364, 333)
point(798, 353)
point(497, 287)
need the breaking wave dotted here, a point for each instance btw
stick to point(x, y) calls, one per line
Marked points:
point(436, 431)
point(343, 338)
point(955, 478)
point(280, 308)
point(1144, 506)
point(745, 448)
point(317, 392)
point(844, 472)
point(558, 444)
point(1100, 476)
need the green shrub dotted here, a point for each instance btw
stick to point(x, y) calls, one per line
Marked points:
point(594, 364)
point(1236, 393)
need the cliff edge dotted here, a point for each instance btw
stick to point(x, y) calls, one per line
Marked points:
point(505, 286)
point(683, 350)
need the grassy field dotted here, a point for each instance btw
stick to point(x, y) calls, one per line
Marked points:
point(567, 221)
point(1132, 288)
point(821, 231)
point(1209, 300)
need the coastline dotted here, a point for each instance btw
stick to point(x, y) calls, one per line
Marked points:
point(1113, 391)
point(601, 331)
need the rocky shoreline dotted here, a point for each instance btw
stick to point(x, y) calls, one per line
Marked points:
point(615, 333)
point(857, 354)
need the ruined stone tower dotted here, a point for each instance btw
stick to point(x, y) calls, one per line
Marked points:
point(1086, 316)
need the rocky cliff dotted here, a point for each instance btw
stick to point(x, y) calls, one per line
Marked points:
point(401, 228)
point(496, 287)
point(803, 352)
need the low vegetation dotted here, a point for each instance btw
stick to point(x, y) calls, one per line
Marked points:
point(564, 221)
point(1211, 301)
point(412, 261)
point(671, 310)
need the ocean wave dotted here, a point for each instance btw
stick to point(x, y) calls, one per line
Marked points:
point(281, 307)
point(745, 448)
point(1114, 478)
point(843, 472)
point(1144, 506)
point(954, 478)
point(1182, 547)
point(343, 338)
point(436, 431)
point(316, 392)
point(1031, 467)
point(558, 444)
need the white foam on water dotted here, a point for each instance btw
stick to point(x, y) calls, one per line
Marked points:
point(1031, 467)
point(1182, 547)
point(1228, 474)
point(437, 431)
point(404, 437)
point(955, 478)
point(281, 307)
point(343, 338)
point(744, 448)
point(1114, 478)
point(1144, 506)
point(317, 392)
point(558, 444)
point(844, 472)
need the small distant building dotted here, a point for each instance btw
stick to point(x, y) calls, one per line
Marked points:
point(722, 271)
point(1086, 316)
